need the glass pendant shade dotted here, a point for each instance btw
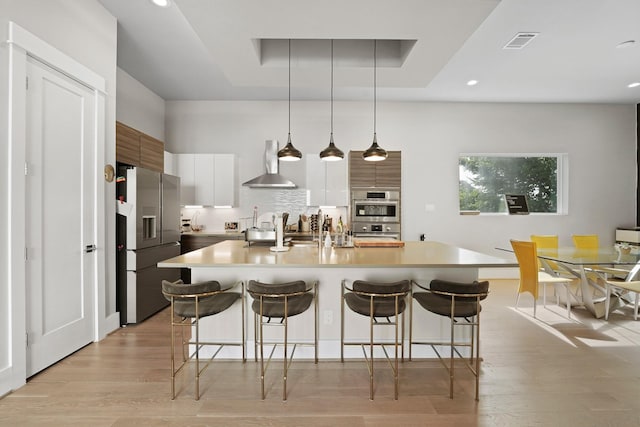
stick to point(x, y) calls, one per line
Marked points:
point(331, 153)
point(375, 153)
point(289, 153)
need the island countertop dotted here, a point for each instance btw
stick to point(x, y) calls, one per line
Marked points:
point(235, 253)
point(232, 261)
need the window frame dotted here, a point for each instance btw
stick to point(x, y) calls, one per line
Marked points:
point(562, 177)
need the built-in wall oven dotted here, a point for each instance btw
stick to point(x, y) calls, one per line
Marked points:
point(375, 212)
point(375, 206)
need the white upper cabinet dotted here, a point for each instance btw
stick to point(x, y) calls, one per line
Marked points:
point(225, 178)
point(169, 164)
point(203, 166)
point(184, 169)
point(206, 179)
point(327, 182)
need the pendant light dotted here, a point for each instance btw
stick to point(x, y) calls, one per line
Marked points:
point(374, 153)
point(331, 153)
point(289, 153)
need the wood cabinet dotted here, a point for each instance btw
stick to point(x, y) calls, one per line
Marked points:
point(151, 153)
point(127, 145)
point(387, 173)
point(327, 182)
point(138, 149)
point(206, 179)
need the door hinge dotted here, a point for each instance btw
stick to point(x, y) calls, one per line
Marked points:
point(27, 83)
point(26, 339)
point(26, 254)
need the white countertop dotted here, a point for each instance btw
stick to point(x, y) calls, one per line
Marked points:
point(236, 253)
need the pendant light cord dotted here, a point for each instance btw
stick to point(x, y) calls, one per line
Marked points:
point(374, 85)
point(289, 86)
point(332, 87)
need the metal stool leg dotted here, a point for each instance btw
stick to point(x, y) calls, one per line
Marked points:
point(285, 358)
point(261, 349)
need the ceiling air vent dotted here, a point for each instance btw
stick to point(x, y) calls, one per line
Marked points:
point(520, 40)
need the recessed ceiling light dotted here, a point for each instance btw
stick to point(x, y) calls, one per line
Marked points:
point(634, 84)
point(161, 3)
point(627, 43)
point(472, 82)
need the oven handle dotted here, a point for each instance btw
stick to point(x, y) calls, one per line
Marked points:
point(376, 201)
point(365, 235)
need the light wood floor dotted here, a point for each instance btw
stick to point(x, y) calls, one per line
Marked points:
point(552, 371)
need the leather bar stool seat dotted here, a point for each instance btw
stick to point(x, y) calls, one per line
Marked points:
point(281, 301)
point(382, 303)
point(189, 304)
point(460, 302)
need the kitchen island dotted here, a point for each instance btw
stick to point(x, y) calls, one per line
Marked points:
point(234, 260)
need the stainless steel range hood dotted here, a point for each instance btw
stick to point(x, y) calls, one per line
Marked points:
point(270, 179)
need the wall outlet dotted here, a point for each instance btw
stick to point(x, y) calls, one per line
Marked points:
point(328, 317)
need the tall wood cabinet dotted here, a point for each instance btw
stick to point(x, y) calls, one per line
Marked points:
point(387, 173)
point(138, 149)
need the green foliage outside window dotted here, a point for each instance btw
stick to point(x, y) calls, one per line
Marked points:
point(485, 179)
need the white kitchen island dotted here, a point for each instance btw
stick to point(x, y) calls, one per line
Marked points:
point(233, 260)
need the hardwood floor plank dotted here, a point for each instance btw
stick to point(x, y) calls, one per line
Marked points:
point(549, 371)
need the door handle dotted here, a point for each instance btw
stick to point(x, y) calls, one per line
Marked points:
point(89, 248)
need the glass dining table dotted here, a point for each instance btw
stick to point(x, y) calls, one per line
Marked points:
point(591, 267)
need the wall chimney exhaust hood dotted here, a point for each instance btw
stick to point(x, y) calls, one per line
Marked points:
point(270, 179)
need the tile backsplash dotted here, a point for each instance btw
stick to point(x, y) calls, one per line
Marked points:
point(269, 202)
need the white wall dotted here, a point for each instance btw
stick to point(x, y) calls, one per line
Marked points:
point(87, 33)
point(599, 139)
point(138, 107)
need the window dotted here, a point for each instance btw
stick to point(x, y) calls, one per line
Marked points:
point(486, 178)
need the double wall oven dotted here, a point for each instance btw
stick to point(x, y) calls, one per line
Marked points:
point(375, 212)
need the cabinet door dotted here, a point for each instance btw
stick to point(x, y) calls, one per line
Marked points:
point(389, 171)
point(315, 175)
point(127, 145)
point(204, 179)
point(336, 184)
point(169, 164)
point(151, 153)
point(361, 172)
point(327, 183)
point(224, 180)
point(185, 170)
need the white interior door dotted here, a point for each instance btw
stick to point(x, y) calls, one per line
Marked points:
point(60, 215)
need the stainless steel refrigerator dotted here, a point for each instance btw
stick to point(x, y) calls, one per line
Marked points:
point(148, 231)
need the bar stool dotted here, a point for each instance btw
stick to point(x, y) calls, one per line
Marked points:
point(281, 301)
point(190, 303)
point(460, 302)
point(378, 301)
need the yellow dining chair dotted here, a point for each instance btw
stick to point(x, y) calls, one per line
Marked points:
point(549, 242)
point(586, 241)
point(531, 276)
point(589, 242)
